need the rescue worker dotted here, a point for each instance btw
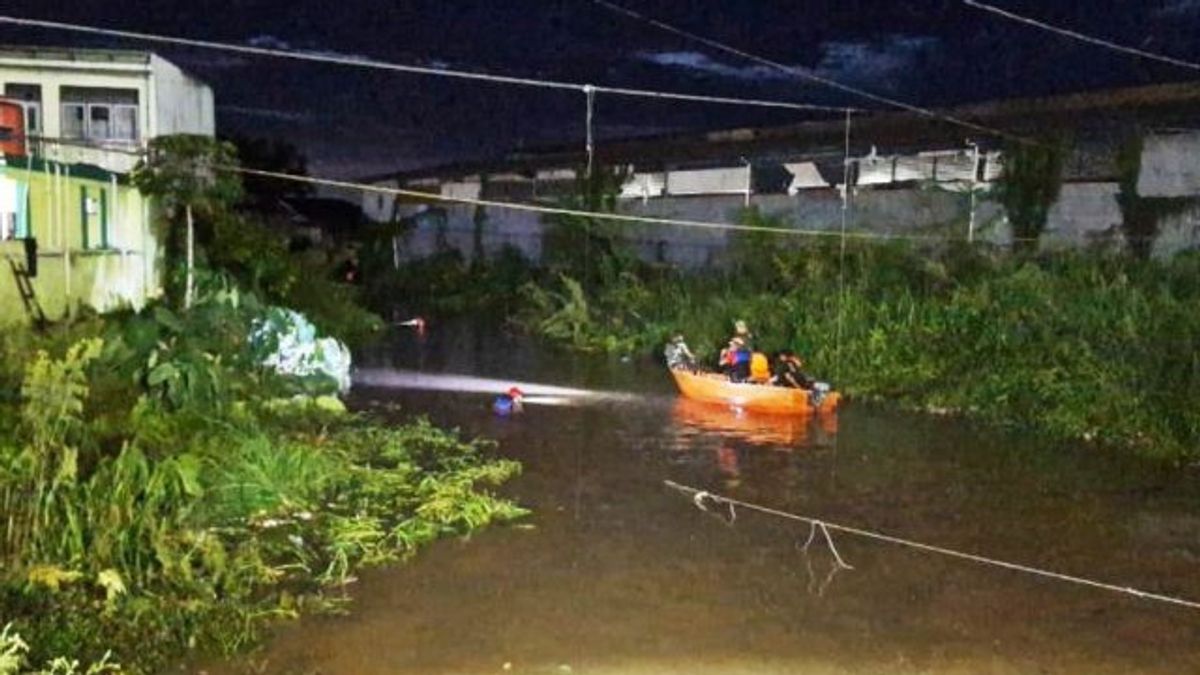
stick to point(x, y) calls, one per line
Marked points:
point(735, 360)
point(677, 354)
point(508, 403)
point(742, 331)
point(789, 371)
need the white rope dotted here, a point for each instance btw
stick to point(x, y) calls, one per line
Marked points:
point(800, 72)
point(698, 500)
point(812, 535)
point(929, 548)
point(1075, 35)
point(407, 68)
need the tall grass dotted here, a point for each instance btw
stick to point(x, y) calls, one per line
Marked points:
point(142, 519)
point(1089, 345)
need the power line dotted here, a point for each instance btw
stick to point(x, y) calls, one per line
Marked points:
point(698, 496)
point(1080, 36)
point(799, 72)
point(417, 70)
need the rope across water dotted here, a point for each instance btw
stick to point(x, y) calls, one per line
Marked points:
point(700, 495)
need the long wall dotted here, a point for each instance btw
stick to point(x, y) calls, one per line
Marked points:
point(95, 246)
point(1086, 212)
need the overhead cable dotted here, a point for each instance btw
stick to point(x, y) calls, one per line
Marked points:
point(413, 69)
point(805, 74)
point(1075, 35)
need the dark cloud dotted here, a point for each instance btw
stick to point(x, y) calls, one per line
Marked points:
point(890, 62)
point(699, 63)
point(926, 52)
point(1178, 9)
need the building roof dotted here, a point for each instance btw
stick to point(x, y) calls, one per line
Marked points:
point(116, 56)
point(1084, 114)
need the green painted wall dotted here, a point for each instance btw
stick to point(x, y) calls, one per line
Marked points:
point(96, 246)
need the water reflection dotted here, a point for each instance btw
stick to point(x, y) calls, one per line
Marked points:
point(780, 431)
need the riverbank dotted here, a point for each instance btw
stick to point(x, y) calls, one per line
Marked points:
point(165, 494)
point(1095, 346)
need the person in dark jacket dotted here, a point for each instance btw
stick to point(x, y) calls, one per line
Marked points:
point(789, 371)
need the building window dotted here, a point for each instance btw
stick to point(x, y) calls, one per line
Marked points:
point(100, 114)
point(30, 98)
point(74, 124)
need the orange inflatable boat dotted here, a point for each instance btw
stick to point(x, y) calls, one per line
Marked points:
point(716, 388)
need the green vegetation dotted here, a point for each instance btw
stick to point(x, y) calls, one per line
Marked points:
point(1030, 185)
point(187, 173)
point(1076, 345)
point(161, 492)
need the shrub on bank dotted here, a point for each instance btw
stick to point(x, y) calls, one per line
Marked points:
point(164, 492)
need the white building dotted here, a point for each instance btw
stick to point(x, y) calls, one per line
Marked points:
point(96, 106)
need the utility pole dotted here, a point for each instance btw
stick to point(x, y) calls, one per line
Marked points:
point(749, 180)
point(974, 178)
point(189, 291)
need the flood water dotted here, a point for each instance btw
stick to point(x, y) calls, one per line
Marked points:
point(617, 573)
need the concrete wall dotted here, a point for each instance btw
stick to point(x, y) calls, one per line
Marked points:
point(182, 104)
point(1086, 211)
point(1170, 167)
point(77, 269)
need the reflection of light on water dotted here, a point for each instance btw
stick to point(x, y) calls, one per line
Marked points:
point(548, 400)
point(538, 394)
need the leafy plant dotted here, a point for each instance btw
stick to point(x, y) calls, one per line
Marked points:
point(1029, 186)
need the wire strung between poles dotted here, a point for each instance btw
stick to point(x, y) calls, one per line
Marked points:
point(1082, 37)
point(930, 548)
point(359, 62)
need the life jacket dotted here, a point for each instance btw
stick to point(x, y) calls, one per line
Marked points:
point(760, 368)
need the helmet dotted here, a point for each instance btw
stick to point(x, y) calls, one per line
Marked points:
point(514, 392)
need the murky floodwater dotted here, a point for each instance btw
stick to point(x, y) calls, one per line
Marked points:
point(622, 575)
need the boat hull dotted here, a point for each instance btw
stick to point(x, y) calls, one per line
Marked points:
point(717, 389)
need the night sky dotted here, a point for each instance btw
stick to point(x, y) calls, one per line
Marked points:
point(353, 122)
